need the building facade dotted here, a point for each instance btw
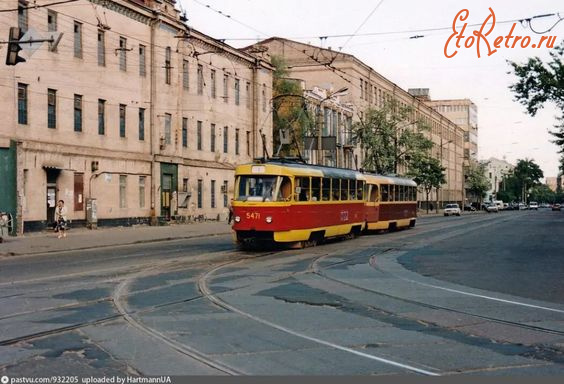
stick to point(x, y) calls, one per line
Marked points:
point(496, 171)
point(327, 69)
point(556, 184)
point(132, 109)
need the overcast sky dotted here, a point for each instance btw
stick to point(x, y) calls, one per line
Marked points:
point(504, 128)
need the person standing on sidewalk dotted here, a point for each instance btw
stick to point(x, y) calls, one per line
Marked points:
point(61, 218)
point(230, 217)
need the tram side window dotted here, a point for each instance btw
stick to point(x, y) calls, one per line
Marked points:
point(344, 189)
point(315, 188)
point(352, 189)
point(385, 191)
point(302, 188)
point(336, 184)
point(326, 189)
point(285, 193)
point(401, 194)
point(374, 193)
point(359, 189)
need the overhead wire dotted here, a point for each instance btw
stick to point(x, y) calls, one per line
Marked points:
point(361, 25)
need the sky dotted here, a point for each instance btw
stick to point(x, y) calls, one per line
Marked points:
point(383, 29)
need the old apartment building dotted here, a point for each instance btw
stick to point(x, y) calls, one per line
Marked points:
point(328, 69)
point(132, 108)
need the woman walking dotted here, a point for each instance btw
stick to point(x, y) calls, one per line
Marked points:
point(61, 218)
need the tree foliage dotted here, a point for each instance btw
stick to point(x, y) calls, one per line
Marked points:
point(539, 83)
point(390, 138)
point(289, 109)
point(478, 183)
point(428, 173)
point(524, 179)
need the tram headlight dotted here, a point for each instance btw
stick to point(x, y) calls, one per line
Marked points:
point(237, 219)
point(268, 219)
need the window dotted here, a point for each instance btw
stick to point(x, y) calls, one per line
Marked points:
point(315, 189)
point(185, 132)
point(142, 68)
point(123, 54)
point(51, 108)
point(101, 117)
point(22, 103)
point(22, 15)
point(326, 189)
point(167, 128)
point(185, 185)
point(122, 120)
point(248, 95)
point(236, 141)
point(51, 25)
point(237, 96)
point(213, 88)
point(185, 77)
point(344, 189)
point(384, 192)
point(225, 190)
point(212, 193)
point(200, 191)
point(248, 143)
point(225, 139)
point(225, 88)
point(212, 138)
point(302, 185)
point(199, 135)
point(142, 191)
point(167, 65)
point(78, 39)
point(78, 113)
point(200, 79)
point(101, 48)
point(122, 191)
point(141, 124)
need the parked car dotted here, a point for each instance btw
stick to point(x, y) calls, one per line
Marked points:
point(534, 205)
point(492, 208)
point(452, 209)
point(556, 207)
point(469, 208)
point(522, 206)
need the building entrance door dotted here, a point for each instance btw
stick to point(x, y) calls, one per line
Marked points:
point(52, 175)
point(166, 190)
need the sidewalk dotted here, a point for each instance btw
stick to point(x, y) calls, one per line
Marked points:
point(83, 238)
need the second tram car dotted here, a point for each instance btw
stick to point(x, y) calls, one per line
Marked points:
point(300, 204)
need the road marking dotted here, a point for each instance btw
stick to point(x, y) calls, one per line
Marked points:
point(205, 290)
point(484, 296)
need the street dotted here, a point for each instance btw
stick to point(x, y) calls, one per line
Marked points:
point(480, 294)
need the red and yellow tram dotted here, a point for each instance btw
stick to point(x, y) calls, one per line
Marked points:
point(295, 203)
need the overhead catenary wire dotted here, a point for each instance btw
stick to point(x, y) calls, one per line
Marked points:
point(38, 6)
point(361, 25)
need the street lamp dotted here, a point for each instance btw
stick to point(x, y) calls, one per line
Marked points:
point(447, 174)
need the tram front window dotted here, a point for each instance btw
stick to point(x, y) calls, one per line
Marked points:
point(257, 188)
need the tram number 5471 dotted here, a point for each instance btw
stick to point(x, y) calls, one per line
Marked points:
point(253, 215)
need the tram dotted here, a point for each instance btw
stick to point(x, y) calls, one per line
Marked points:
point(299, 204)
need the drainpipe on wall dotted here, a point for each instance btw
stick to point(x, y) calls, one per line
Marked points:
point(154, 140)
point(255, 108)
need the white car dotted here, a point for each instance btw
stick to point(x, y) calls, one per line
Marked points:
point(492, 208)
point(452, 209)
point(534, 205)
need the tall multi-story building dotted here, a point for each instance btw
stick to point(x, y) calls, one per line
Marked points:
point(132, 108)
point(325, 68)
point(555, 183)
point(464, 113)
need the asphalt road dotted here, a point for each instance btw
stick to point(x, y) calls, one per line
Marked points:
point(477, 294)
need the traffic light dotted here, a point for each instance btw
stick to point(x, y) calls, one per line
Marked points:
point(14, 48)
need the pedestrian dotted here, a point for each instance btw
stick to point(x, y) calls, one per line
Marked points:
point(61, 218)
point(230, 217)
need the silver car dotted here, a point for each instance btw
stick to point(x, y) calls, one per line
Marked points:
point(452, 209)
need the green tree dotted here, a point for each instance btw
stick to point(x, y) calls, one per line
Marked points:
point(478, 183)
point(428, 173)
point(542, 194)
point(539, 83)
point(527, 174)
point(389, 138)
point(290, 114)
